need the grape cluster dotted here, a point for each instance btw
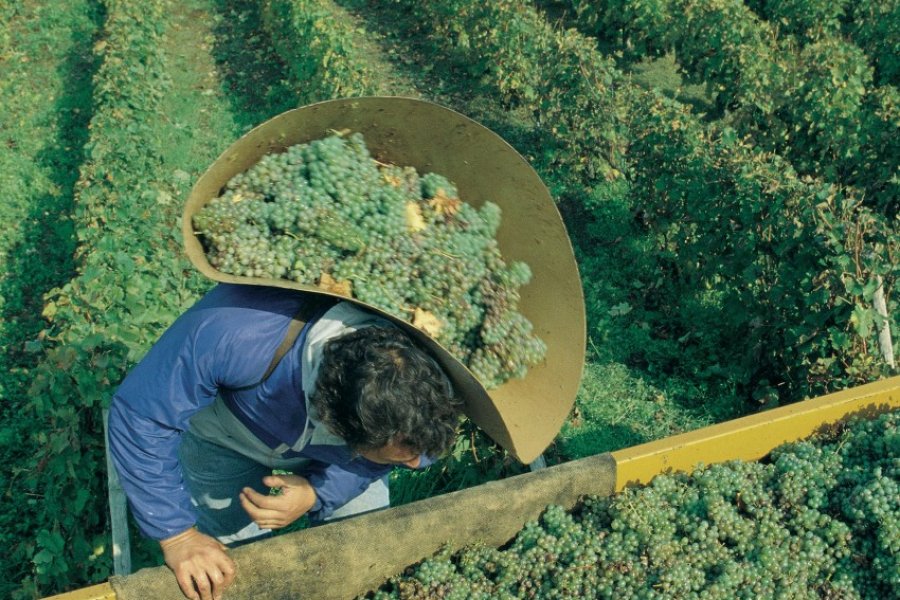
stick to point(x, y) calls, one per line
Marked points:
point(819, 519)
point(326, 213)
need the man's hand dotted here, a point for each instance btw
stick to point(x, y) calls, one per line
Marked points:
point(200, 564)
point(274, 512)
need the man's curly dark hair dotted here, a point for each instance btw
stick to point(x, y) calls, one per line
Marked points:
point(375, 386)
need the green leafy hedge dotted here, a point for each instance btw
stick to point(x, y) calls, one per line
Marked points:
point(769, 275)
point(320, 48)
point(45, 94)
point(817, 104)
point(706, 197)
point(807, 19)
point(557, 76)
point(106, 316)
point(875, 26)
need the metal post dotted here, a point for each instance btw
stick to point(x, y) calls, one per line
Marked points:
point(118, 511)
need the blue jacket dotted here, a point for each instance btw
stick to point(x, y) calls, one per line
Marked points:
point(224, 342)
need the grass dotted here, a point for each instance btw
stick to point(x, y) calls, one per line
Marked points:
point(617, 408)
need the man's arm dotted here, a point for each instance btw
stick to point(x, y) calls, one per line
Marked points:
point(226, 339)
point(145, 454)
point(337, 476)
point(222, 341)
point(150, 410)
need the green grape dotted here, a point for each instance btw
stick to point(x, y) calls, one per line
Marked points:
point(817, 519)
point(402, 242)
point(432, 184)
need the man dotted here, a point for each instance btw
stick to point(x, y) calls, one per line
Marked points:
point(228, 394)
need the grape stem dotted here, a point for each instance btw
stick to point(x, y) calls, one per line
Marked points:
point(474, 450)
point(448, 255)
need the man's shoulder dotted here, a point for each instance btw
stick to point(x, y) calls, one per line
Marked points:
point(249, 316)
point(228, 296)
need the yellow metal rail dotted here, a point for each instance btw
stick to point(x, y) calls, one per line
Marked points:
point(103, 591)
point(747, 438)
point(752, 437)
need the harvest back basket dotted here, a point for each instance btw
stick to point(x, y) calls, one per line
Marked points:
point(523, 415)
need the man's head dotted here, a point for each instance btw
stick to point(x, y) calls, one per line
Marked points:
point(377, 389)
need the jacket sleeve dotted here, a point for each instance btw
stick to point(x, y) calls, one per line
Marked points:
point(152, 407)
point(337, 478)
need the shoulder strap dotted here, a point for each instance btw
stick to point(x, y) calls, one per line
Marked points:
point(309, 309)
point(293, 330)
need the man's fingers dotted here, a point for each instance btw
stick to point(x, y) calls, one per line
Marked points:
point(264, 517)
point(257, 513)
point(262, 500)
point(212, 581)
point(186, 583)
point(274, 481)
point(200, 563)
point(195, 584)
point(218, 583)
point(204, 585)
point(228, 569)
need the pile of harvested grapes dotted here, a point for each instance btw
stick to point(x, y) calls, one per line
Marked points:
point(818, 519)
point(326, 213)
